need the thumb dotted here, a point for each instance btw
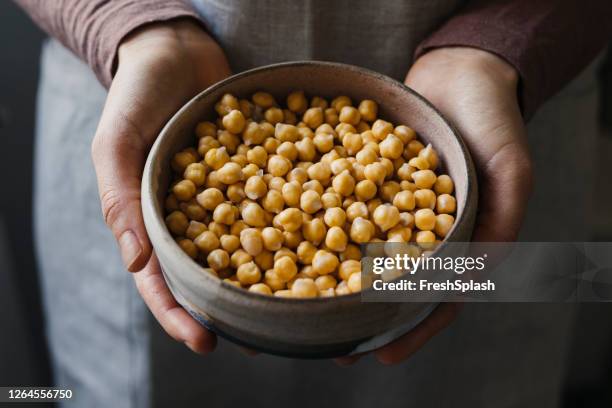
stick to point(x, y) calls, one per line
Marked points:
point(119, 152)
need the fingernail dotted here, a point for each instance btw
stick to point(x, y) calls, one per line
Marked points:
point(130, 249)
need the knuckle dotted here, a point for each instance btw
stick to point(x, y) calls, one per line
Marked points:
point(111, 206)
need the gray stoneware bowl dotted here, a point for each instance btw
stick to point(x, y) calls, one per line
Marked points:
point(306, 328)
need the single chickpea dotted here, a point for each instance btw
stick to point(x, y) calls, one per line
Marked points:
point(325, 128)
point(342, 289)
point(334, 217)
point(285, 293)
point(412, 149)
point(284, 251)
point(290, 219)
point(404, 200)
point(205, 144)
point(207, 241)
point(362, 230)
point(291, 193)
point(352, 252)
point(235, 193)
point(324, 262)
point(405, 172)
point(188, 247)
point(355, 210)
point(272, 238)
point(373, 204)
point(368, 110)
point(353, 142)
point(255, 187)
point(407, 185)
point(229, 242)
point(196, 173)
point(258, 156)
point(313, 117)
point(306, 149)
point(444, 185)
point(230, 173)
point(344, 184)
point(181, 160)
point(425, 219)
point(314, 230)
point(292, 239)
point(248, 273)
point(289, 117)
point(425, 238)
point(350, 115)
point(260, 288)
point(388, 190)
point(246, 107)
point(314, 185)
point(305, 252)
point(390, 165)
point(310, 202)
point(177, 223)
point(319, 171)
point(424, 178)
point(336, 239)
point(362, 126)
point(226, 104)
point(298, 175)
point(273, 202)
point(234, 121)
point(240, 159)
point(278, 165)
point(192, 210)
point(184, 190)
point(297, 102)
point(240, 257)
point(218, 259)
point(419, 162)
point(285, 268)
point(375, 172)
point(171, 203)
point(331, 292)
point(217, 228)
point(274, 115)
point(275, 183)
point(425, 198)
point(205, 129)
point(308, 271)
point(265, 260)
point(354, 282)
point(216, 157)
point(358, 171)
point(331, 117)
point(343, 128)
point(430, 155)
point(347, 268)
point(444, 222)
point(365, 190)
point(273, 281)
point(324, 142)
point(251, 241)
point(325, 282)
point(318, 102)
point(286, 133)
point(194, 229)
point(446, 204)
point(386, 216)
point(331, 199)
point(212, 181)
point(400, 233)
point(229, 140)
point(253, 215)
point(288, 150)
point(210, 198)
point(406, 220)
point(304, 288)
point(337, 166)
point(405, 133)
point(263, 99)
point(381, 128)
point(224, 214)
point(366, 156)
point(253, 134)
point(391, 147)
point(340, 102)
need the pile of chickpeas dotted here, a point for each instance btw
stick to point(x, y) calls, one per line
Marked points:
point(277, 200)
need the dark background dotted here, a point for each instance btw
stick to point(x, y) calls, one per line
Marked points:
point(23, 356)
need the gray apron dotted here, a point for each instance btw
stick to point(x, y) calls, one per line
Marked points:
point(106, 348)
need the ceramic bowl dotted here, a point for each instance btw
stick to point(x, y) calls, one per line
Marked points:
point(308, 328)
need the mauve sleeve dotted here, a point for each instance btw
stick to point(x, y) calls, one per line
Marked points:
point(93, 29)
point(547, 41)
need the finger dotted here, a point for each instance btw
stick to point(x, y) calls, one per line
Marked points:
point(118, 153)
point(170, 315)
point(408, 344)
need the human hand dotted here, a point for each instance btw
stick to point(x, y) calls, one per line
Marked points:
point(160, 67)
point(477, 92)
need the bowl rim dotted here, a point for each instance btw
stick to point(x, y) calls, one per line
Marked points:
point(153, 221)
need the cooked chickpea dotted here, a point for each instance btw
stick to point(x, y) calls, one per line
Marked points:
point(216, 157)
point(230, 173)
point(425, 238)
point(350, 115)
point(196, 173)
point(273, 202)
point(404, 200)
point(204, 145)
point(314, 230)
point(381, 128)
point(446, 204)
point(388, 190)
point(205, 129)
point(207, 241)
point(362, 230)
point(347, 268)
point(354, 282)
point(325, 262)
point(265, 260)
point(299, 175)
point(444, 222)
point(365, 190)
point(313, 117)
point(319, 171)
point(263, 99)
point(343, 128)
point(425, 219)
point(334, 217)
point(286, 133)
point(340, 102)
point(260, 288)
point(240, 257)
point(336, 239)
point(273, 281)
point(291, 193)
point(278, 165)
point(355, 210)
point(412, 149)
point(193, 210)
point(290, 219)
point(425, 198)
point(314, 185)
point(297, 102)
point(344, 184)
point(405, 133)
point(234, 121)
point(285, 268)
point(324, 142)
point(272, 238)
point(310, 202)
point(218, 259)
point(237, 227)
point(181, 160)
point(331, 117)
point(235, 193)
point(210, 198)
point(194, 229)
point(229, 242)
point(253, 134)
point(318, 102)
point(305, 252)
point(331, 199)
point(253, 215)
point(184, 190)
point(386, 216)
point(251, 241)
point(306, 149)
point(274, 115)
point(391, 147)
point(224, 214)
point(430, 155)
point(375, 172)
point(177, 223)
point(248, 273)
point(257, 155)
point(353, 142)
point(444, 185)
point(217, 228)
point(255, 187)
point(188, 247)
point(366, 156)
point(368, 110)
